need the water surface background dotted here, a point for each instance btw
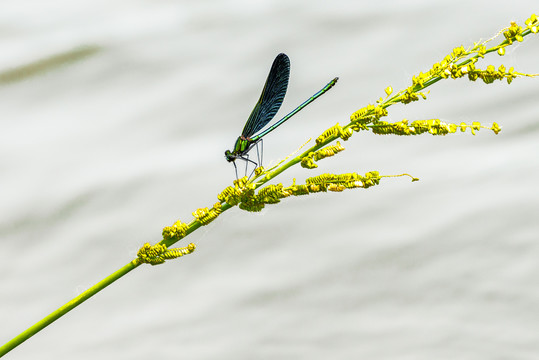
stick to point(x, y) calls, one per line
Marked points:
point(114, 119)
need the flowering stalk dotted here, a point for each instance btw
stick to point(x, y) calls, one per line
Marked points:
point(460, 63)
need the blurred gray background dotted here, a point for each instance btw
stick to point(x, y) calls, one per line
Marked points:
point(114, 119)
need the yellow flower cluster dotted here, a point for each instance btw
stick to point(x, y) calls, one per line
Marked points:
point(308, 160)
point(206, 216)
point(158, 253)
point(175, 232)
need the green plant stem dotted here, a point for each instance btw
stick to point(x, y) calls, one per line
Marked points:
point(49, 319)
point(273, 173)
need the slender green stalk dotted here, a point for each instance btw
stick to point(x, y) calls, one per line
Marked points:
point(61, 311)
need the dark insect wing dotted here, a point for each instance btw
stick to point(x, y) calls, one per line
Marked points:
point(266, 108)
point(271, 98)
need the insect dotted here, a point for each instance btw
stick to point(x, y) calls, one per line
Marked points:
point(264, 111)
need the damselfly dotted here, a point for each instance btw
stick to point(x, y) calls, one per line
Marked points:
point(265, 109)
